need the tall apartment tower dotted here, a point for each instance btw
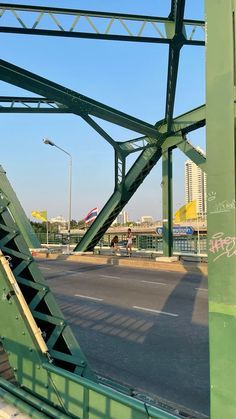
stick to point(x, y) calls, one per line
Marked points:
point(123, 217)
point(195, 186)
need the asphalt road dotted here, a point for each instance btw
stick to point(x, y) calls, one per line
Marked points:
point(146, 329)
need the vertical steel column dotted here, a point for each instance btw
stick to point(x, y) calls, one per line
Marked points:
point(220, 117)
point(167, 204)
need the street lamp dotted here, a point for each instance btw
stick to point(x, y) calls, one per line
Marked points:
point(47, 141)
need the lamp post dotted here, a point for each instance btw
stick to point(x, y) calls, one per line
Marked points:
point(47, 141)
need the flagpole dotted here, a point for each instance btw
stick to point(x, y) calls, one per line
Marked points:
point(198, 236)
point(47, 230)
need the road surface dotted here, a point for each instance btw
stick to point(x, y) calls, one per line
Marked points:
point(146, 329)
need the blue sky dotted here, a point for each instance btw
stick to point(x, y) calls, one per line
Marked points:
point(128, 76)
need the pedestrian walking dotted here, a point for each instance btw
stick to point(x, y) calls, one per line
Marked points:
point(129, 242)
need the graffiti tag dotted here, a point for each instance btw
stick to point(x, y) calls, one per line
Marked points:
point(222, 245)
point(223, 206)
point(211, 196)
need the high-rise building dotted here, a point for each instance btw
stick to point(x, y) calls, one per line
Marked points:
point(195, 186)
point(122, 218)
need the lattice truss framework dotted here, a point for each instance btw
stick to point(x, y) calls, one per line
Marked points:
point(168, 133)
point(93, 24)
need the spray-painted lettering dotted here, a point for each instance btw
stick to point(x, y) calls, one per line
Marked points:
point(222, 245)
point(223, 206)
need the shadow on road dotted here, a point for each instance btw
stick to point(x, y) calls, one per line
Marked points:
point(157, 354)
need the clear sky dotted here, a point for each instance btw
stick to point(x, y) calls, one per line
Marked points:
point(128, 76)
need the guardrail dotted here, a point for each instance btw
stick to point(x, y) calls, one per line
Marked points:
point(181, 244)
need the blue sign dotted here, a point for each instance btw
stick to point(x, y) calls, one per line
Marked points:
point(178, 231)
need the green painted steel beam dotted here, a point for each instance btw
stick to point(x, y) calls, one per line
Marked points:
point(167, 202)
point(136, 175)
point(18, 212)
point(101, 131)
point(132, 180)
point(21, 406)
point(32, 405)
point(188, 149)
point(77, 103)
point(57, 334)
point(193, 154)
point(173, 7)
point(221, 168)
point(134, 145)
point(52, 21)
point(103, 402)
point(185, 123)
point(57, 372)
point(179, 35)
point(17, 104)
point(60, 392)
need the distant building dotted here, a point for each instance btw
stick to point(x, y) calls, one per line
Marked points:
point(122, 218)
point(148, 219)
point(59, 220)
point(195, 186)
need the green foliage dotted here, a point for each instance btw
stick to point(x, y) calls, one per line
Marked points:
point(39, 227)
point(74, 224)
point(81, 224)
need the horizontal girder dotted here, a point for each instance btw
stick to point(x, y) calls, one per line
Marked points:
point(183, 124)
point(38, 20)
point(11, 104)
point(76, 103)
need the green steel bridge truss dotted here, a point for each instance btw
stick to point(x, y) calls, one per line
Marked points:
point(156, 141)
point(69, 369)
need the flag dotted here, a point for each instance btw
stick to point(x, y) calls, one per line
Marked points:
point(187, 212)
point(91, 215)
point(41, 215)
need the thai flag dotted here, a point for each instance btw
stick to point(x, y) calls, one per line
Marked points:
point(91, 215)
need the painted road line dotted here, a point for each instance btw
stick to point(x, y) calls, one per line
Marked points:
point(89, 298)
point(73, 272)
point(110, 277)
point(201, 289)
point(156, 311)
point(46, 269)
point(153, 282)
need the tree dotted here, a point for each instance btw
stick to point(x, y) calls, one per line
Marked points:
point(39, 227)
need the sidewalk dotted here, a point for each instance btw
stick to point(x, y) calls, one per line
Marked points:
point(140, 260)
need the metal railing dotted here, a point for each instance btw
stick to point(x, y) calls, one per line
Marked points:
point(153, 243)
